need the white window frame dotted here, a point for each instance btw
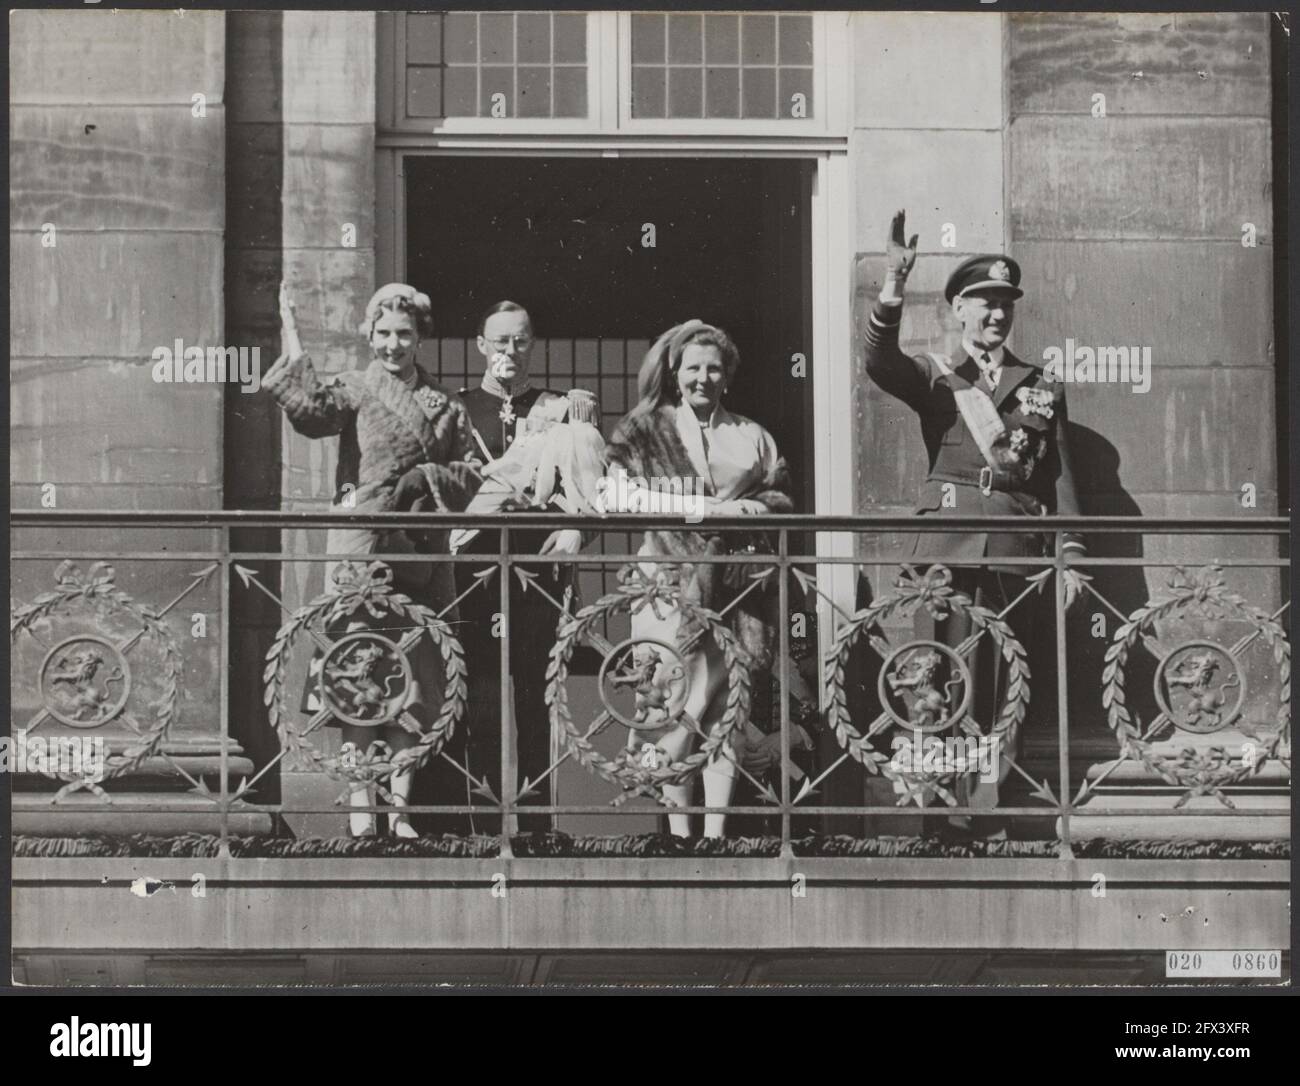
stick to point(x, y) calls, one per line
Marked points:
point(599, 60)
point(609, 92)
point(827, 118)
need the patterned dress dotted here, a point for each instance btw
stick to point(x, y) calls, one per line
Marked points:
point(385, 429)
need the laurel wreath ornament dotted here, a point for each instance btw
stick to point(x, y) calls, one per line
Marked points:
point(932, 591)
point(365, 589)
point(98, 591)
point(638, 590)
point(1209, 772)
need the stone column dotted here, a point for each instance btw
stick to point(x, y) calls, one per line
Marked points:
point(928, 133)
point(301, 208)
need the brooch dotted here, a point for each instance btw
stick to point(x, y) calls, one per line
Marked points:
point(1035, 401)
point(1019, 441)
point(431, 401)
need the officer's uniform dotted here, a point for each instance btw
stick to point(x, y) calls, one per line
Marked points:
point(1031, 474)
point(497, 423)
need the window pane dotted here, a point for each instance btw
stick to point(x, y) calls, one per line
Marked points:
point(465, 58)
point(685, 42)
point(534, 37)
point(497, 79)
point(758, 93)
point(534, 92)
point(685, 92)
point(648, 39)
point(758, 39)
point(496, 38)
point(796, 39)
point(795, 81)
point(570, 92)
point(424, 39)
point(721, 39)
point(460, 34)
point(424, 92)
point(722, 87)
point(459, 92)
point(723, 65)
point(613, 393)
point(648, 92)
point(571, 39)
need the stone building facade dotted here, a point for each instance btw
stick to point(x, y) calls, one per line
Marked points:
point(168, 169)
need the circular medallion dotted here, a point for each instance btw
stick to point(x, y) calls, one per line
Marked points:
point(928, 682)
point(84, 681)
point(647, 679)
point(365, 679)
point(643, 684)
point(1199, 687)
point(924, 687)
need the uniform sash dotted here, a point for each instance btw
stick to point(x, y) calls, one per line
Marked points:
point(978, 412)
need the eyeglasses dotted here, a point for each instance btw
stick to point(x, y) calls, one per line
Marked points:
point(521, 343)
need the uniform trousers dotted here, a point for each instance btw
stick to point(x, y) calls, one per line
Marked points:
point(990, 588)
point(531, 635)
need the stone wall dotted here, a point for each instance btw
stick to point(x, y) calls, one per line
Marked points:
point(117, 166)
point(935, 149)
point(1129, 228)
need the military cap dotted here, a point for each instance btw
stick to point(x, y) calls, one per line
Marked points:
point(984, 272)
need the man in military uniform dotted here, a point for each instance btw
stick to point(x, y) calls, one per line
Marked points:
point(995, 431)
point(498, 411)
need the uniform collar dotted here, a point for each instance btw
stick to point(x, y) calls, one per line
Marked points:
point(995, 356)
point(496, 388)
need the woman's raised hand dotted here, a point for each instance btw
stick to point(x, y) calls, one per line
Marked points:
point(290, 342)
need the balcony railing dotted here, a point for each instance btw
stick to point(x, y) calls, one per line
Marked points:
point(1157, 710)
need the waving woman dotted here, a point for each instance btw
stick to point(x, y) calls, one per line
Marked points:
point(680, 430)
point(403, 442)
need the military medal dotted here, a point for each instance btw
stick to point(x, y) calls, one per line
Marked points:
point(507, 414)
point(1036, 401)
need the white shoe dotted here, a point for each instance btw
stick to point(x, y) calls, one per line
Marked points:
point(401, 827)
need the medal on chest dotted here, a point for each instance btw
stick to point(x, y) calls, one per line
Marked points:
point(507, 412)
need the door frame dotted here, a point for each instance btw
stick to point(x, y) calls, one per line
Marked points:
point(830, 281)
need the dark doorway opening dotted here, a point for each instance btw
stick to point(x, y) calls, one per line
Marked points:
point(568, 239)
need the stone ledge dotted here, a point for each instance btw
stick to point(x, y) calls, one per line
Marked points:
point(558, 846)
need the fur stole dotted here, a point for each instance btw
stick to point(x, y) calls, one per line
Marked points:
point(648, 445)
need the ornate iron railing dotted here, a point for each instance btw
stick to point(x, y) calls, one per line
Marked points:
point(900, 717)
